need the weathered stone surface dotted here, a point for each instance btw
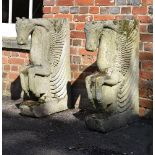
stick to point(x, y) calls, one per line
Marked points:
point(113, 90)
point(47, 77)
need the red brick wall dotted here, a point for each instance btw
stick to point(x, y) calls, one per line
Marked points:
point(82, 61)
point(12, 61)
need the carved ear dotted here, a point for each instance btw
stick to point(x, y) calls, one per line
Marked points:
point(23, 18)
point(17, 18)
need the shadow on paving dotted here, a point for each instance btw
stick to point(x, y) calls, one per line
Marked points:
point(65, 134)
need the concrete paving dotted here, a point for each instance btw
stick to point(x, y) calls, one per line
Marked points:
point(65, 134)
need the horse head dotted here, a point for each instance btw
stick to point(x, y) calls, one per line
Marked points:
point(24, 28)
point(93, 32)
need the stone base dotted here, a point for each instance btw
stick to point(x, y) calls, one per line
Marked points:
point(102, 123)
point(36, 109)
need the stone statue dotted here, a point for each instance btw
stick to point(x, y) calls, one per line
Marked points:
point(113, 90)
point(48, 75)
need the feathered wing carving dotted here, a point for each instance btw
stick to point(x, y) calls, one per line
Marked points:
point(59, 61)
point(128, 54)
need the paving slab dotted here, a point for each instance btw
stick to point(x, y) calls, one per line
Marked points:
point(65, 133)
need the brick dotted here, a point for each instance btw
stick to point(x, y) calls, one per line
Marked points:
point(139, 10)
point(100, 17)
point(145, 19)
point(68, 16)
point(120, 17)
point(85, 52)
point(23, 55)
point(74, 67)
point(13, 76)
point(64, 9)
point(74, 10)
point(133, 2)
point(5, 75)
point(125, 10)
point(150, 10)
point(6, 53)
point(76, 75)
point(146, 56)
point(73, 50)
point(83, 10)
point(48, 16)
point(147, 65)
point(77, 34)
point(65, 2)
point(147, 2)
point(76, 42)
point(143, 28)
point(46, 9)
point(14, 68)
point(48, 2)
point(104, 2)
point(55, 10)
point(104, 10)
point(72, 26)
point(146, 37)
point(84, 2)
point(88, 59)
point(80, 26)
point(4, 60)
point(150, 28)
point(79, 18)
point(94, 10)
point(146, 89)
point(114, 10)
point(147, 75)
point(6, 67)
point(145, 103)
point(83, 43)
point(120, 2)
point(148, 47)
point(16, 61)
point(76, 60)
point(14, 54)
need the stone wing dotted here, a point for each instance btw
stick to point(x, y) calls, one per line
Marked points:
point(129, 70)
point(59, 59)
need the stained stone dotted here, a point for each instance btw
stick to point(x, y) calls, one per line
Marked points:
point(46, 79)
point(113, 90)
